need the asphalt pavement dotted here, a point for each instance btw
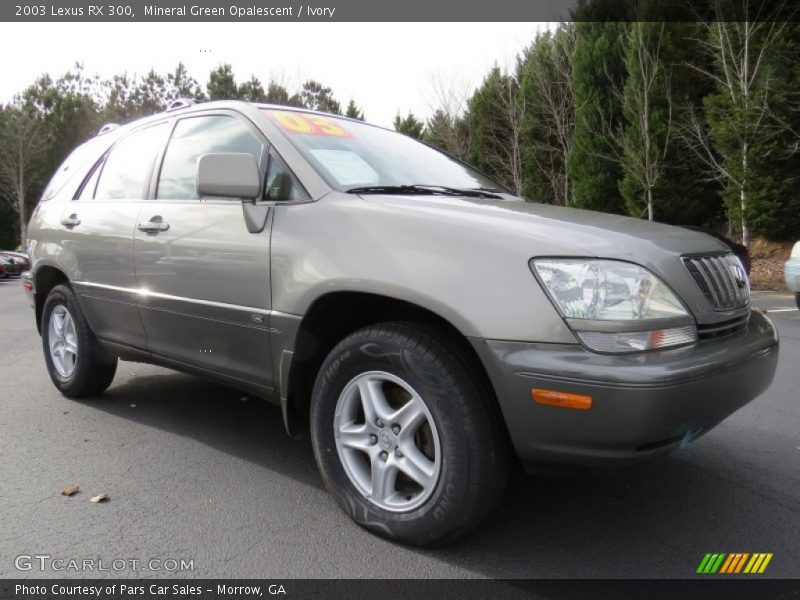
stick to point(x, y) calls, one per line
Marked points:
point(198, 472)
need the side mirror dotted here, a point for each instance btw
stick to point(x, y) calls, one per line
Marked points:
point(228, 175)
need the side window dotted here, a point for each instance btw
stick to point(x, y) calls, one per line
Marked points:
point(127, 168)
point(194, 137)
point(281, 184)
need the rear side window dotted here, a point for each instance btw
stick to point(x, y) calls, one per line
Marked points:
point(194, 137)
point(76, 163)
point(127, 168)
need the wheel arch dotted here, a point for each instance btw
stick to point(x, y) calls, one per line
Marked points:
point(318, 334)
point(45, 279)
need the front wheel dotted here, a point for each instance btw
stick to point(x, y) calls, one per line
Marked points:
point(406, 434)
point(77, 365)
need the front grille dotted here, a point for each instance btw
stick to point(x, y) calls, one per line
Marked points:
point(718, 330)
point(721, 279)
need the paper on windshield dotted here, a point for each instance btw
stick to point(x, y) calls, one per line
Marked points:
point(347, 167)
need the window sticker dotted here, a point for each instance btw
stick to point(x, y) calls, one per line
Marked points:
point(297, 122)
point(347, 167)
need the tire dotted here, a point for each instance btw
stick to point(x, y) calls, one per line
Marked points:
point(460, 425)
point(86, 371)
point(797, 299)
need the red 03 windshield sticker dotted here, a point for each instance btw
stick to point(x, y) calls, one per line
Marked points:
point(297, 122)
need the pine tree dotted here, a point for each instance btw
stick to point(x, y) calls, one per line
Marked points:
point(410, 126)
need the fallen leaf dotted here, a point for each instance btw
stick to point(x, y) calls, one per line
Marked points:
point(133, 406)
point(245, 398)
point(70, 490)
point(99, 498)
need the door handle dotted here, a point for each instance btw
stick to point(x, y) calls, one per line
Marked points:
point(154, 225)
point(71, 221)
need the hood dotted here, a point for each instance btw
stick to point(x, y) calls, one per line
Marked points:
point(525, 230)
point(558, 231)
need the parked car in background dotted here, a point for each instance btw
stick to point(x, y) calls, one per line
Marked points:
point(18, 258)
point(2, 271)
point(791, 272)
point(10, 268)
point(420, 320)
point(740, 250)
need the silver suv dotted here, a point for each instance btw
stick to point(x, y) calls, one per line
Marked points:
point(426, 326)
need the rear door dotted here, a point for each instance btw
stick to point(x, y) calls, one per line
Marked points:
point(207, 277)
point(98, 230)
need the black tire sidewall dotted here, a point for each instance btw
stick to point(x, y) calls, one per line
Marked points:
point(56, 298)
point(432, 381)
point(94, 369)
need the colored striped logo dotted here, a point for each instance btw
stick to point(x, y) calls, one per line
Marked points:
point(738, 562)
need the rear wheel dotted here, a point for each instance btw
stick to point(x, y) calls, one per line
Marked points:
point(77, 364)
point(406, 436)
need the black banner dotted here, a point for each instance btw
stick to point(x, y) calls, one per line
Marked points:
point(284, 10)
point(437, 589)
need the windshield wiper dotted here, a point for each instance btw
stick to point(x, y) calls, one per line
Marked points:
point(424, 189)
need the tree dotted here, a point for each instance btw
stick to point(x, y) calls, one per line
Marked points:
point(738, 132)
point(317, 97)
point(496, 117)
point(222, 84)
point(182, 85)
point(410, 126)
point(545, 75)
point(23, 143)
point(251, 91)
point(353, 111)
point(448, 128)
point(647, 106)
point(598, 73)
point(277, 94)
point(150, 95)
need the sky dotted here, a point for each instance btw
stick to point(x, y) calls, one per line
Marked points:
point(385, 67)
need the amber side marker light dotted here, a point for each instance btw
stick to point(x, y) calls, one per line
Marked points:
point(562, 399)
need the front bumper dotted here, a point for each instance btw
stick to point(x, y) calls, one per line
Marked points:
point(643, 404)
point(791, 272)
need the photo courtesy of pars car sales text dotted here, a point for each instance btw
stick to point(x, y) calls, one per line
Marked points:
point(127, 590)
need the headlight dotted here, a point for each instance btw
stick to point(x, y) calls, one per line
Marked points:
point(615, 306)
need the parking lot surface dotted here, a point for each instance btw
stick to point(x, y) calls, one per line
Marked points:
point(198, 472)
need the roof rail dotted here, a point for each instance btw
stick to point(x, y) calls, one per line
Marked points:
point(107, 127)
point(179, 103)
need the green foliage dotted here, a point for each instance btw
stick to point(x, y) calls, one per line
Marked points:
point(315, 96)
point(495, 119)
point(222, 84)
point(544, 72)
point(409, 126)
point(353, 111)
point(277, 94)
point(647, 109)
point(598, 72)
point(565, 125)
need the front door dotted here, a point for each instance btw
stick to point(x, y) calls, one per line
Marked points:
point(205, 277)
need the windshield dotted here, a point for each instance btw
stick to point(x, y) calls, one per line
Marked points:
point(351, 155)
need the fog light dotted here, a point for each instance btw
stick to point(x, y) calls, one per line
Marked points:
point(636, 341)
point(562, 399)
